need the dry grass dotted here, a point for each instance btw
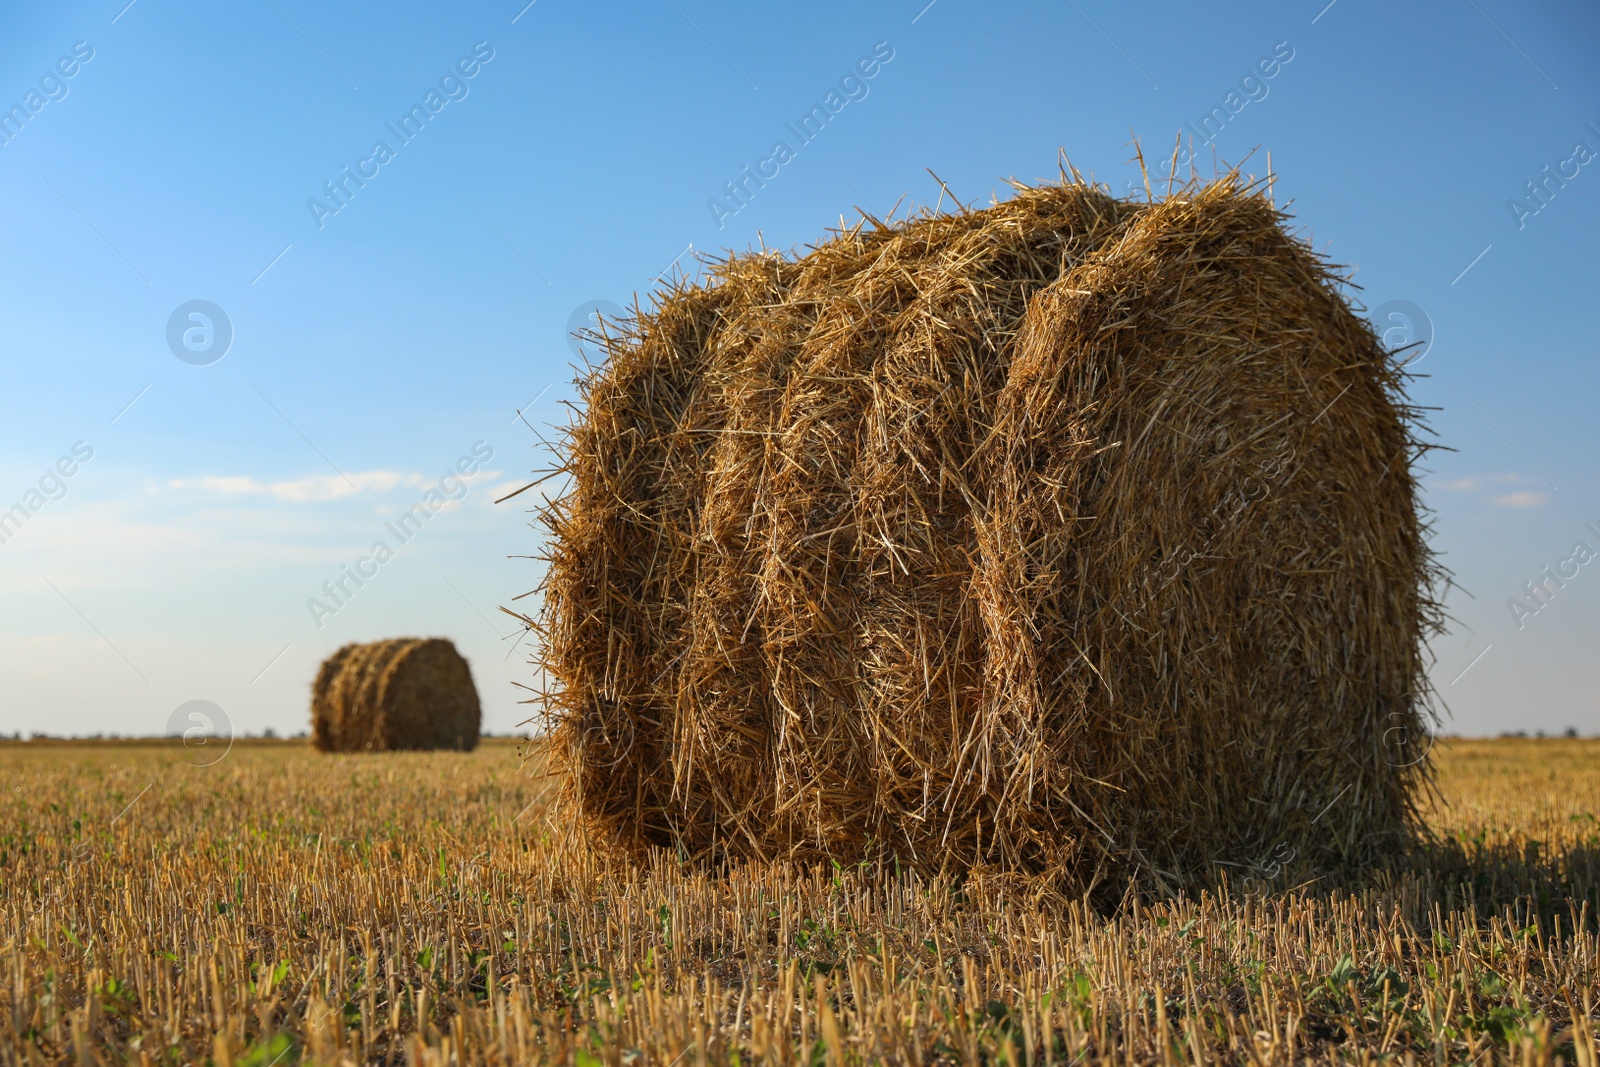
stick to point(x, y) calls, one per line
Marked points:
point(282, 907)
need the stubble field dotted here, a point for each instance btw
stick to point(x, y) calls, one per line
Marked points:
point(285, 907)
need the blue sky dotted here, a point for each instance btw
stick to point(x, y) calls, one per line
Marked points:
point(373, 348)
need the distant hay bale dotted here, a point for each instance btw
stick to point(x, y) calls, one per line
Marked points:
point(404, 693)
point(1074, 536)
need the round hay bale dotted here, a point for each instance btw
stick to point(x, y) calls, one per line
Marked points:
point(404, 693)
point(1072, 536)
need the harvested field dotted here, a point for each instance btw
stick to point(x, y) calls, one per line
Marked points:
point(280, 907)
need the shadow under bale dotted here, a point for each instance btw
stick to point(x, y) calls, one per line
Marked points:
point(1073, 537)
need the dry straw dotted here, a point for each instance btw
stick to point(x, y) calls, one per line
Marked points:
point(1074, 536)
point(405, 693)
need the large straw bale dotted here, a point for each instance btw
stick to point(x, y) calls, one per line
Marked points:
point(1073, 536)
point(403, 693)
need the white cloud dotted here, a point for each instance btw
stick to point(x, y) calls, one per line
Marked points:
point(124, 544)
point(1482, 481)
point(312, 488)
point(1524, 499)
